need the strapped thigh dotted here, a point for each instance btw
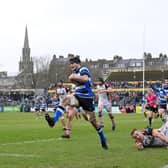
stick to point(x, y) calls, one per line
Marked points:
point(89, 115)
point(70, 100)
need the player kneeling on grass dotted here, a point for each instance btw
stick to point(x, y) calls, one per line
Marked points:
point(82, 97)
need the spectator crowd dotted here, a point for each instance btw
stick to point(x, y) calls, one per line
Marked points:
point(127, 99)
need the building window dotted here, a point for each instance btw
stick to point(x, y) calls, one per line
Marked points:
point(94, 66)
point(166, 62)
point(105, 66)
point(132, 64)
point(138, 64)
point(121, 65)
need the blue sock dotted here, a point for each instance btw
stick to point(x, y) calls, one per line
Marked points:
point(58, 113)
point(101, 135)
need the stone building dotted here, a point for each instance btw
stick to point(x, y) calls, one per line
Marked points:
point(125, 69)
point(58, 69)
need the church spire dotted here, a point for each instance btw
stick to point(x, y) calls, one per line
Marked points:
point(26, 49)
point(26, 40)
point(26, 61)
point(26, 64)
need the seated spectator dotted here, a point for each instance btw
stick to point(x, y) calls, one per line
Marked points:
point(122, 109)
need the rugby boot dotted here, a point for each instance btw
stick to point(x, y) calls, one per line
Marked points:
point(104, 145)
point(113, 127)
point(66, 136)
point(49, 120)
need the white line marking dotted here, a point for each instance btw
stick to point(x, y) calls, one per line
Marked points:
point(18, 155)
point(166, 166)
point(29, 142)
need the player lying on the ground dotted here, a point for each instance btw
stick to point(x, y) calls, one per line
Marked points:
point(150, 137)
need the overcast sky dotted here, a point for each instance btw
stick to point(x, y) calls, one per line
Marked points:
point(90, 28)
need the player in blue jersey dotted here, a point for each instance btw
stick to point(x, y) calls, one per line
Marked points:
point(82, 98)
point(162, 94)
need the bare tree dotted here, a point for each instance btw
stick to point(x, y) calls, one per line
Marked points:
point(41, 66)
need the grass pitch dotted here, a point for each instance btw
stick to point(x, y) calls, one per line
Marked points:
point(27, 142)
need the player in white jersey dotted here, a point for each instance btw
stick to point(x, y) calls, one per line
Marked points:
point(61, 92)
point(40, 106)
point(103, 102)
point(150, 137)
point(164, 117)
